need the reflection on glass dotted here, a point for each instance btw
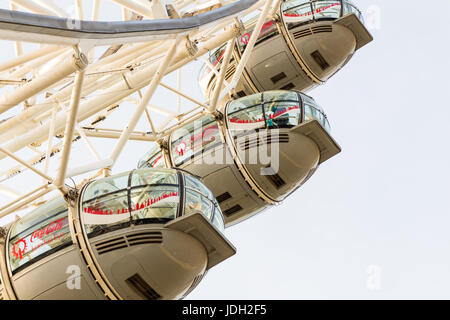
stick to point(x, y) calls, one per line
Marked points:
point(154, 202)
point(312, 113)
point(268, 29)
point(297, 12)
point(218, 219)
point(279, 95)
point(38, 234)
point(106, 212)
point(194, 183)
point(148, 194)
point(245, 102)
point(277, 109)
point(149, 176)
point(349, 8)
point(106, 186)
point(282, 114)
point(247, 119)
point(280, 109)
point(154, 158)
point(195, 202)
point(215, 58)
point(193, 138)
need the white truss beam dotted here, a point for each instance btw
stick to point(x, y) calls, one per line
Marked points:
point(156, 79)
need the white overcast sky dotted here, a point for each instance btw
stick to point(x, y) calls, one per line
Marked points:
point(378, 210)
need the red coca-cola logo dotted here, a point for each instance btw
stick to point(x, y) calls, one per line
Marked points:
point(19, 248)
point(52, 227)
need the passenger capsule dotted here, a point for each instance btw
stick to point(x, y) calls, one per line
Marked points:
point(309, 43)
point(144, 234)
point(265, 146)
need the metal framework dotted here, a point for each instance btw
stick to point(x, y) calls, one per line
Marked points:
point(67, 76)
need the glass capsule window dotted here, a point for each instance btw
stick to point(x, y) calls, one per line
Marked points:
point(268, 29)
point(38, 234)
point(273, 110)
point(149, 196)
point(214, 58)
point(200, 198)
point(349, 8)
point(270, 109)
point(142, 196)
point(297, 12)
point(314, 113)
point(152, 159)
point(218, 218)
point(194, 138)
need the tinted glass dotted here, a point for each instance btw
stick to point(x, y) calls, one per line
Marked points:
point(218, 219)
point(40, 233)
point(268, 29)
point(154, 202)
point(148, 176)
point(195, 202)
point(282, 114)
point(193, 138)
point(148, 196)
point(152, 159)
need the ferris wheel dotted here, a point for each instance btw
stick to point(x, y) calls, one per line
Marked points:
point(70, 66)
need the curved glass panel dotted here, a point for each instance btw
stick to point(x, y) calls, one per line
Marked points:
point(246, 113)
point(200, 199)
point(282, 114)
point(193, 138)
point(153, 158)
point(148, 196)
point(280, 95)
point(349, 8)
point(281, 109)
point(195, 184)
point(313, 113)
point(326, 9)
point(218, 219)
point(154, 194)
point(106, 186)
point(149, 177)
point(297, 12)
point(268, 30)
point(140, 196)
point(154, 202)
point(215, 58)
point(105, 204)
point(39, 234)
point(196, 202)
point(271, 109)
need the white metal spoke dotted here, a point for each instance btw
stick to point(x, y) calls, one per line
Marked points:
point(46, 95)
point(71, 120)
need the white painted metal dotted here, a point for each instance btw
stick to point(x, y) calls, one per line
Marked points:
point(70, 125)
point(248, 50)
point(51, 88)
point(144, 102)
point(13, 156)
point(223, 71)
